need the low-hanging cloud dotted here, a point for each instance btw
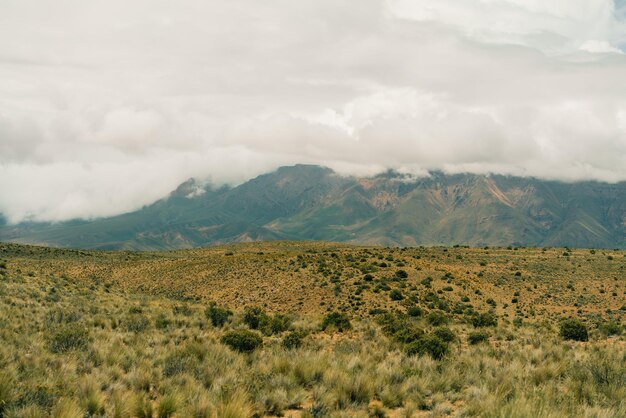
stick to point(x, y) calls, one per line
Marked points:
point(108, 106)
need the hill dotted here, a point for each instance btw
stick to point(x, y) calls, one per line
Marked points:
point(312, 330)
point(316, 277)
point(314, 203)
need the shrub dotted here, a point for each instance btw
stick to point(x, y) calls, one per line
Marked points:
point(611, 328)
point(254, 317)
point(276, 324)
point(573, 329)
point(69, 337)
point(293, 340)
point(242, 340)
point(415, 311)
point(337, 321)
point(218, 316)
point(446, 334)
point(396, 295)
point(257, 319)
point(477, 337)
point(437, 318)
point(487, 319)
point(431, 345)
point(402, 274)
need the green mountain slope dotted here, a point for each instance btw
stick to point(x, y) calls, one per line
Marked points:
point(314, 203)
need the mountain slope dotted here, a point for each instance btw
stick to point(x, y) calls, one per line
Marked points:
point(314, 203)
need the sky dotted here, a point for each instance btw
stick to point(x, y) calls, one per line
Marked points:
point(106, 106)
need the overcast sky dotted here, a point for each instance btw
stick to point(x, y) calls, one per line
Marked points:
point(108, 105)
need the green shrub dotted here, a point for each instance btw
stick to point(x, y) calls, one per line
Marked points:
point(402, 274)
point(611, 328)
point(218, 316)
point(242, 340)
point(254, 317)
point(69, 337)
point(477, 337)
point(446, 334)
point(415, 311)
point(293, 340)
point(437, 318)
point(336, 321)
point(487, 319)
point(573, 329)
point(276, 324)
point(396, 294)
point(429, 344)
point(257, 319)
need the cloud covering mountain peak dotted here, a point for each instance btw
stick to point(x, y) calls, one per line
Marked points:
point(108, 106)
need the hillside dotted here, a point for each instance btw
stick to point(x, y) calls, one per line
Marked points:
point(314, 203)
point(311, 330)
point(316, 277)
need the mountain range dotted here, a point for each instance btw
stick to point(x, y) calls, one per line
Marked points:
point(306, 202)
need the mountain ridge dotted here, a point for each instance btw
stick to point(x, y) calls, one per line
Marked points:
point(308, 202)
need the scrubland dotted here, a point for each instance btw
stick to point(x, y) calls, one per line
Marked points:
point(312, 330)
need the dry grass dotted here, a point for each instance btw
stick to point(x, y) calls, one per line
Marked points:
point(147, 355)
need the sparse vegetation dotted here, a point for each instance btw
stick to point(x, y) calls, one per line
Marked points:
point(81, 342)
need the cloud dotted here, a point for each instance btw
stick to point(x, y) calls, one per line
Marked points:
point(108, 106)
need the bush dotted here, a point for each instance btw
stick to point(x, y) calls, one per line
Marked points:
point(293, 340)
point(242, 340)
point(573, 329)
point(402, 274)
point(218, 316)
point(445, 334)
point(477, 337)
point(276, 325)
point(254, 316)
point(437, 318)
point(337, 321)
point(69, 337)
point(415, 311)
point(431, 345)
point(396, 295)
point(487, 319)
point(611, 328)
point(399, 328)
point(257, 319)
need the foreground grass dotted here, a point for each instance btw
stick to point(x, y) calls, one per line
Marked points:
point(76, 348)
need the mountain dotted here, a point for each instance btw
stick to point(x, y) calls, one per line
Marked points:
point(305, 202)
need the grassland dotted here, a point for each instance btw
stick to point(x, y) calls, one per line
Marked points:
point(344, 331)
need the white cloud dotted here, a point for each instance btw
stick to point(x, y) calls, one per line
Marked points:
point(107, 106)
point(599, 47)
